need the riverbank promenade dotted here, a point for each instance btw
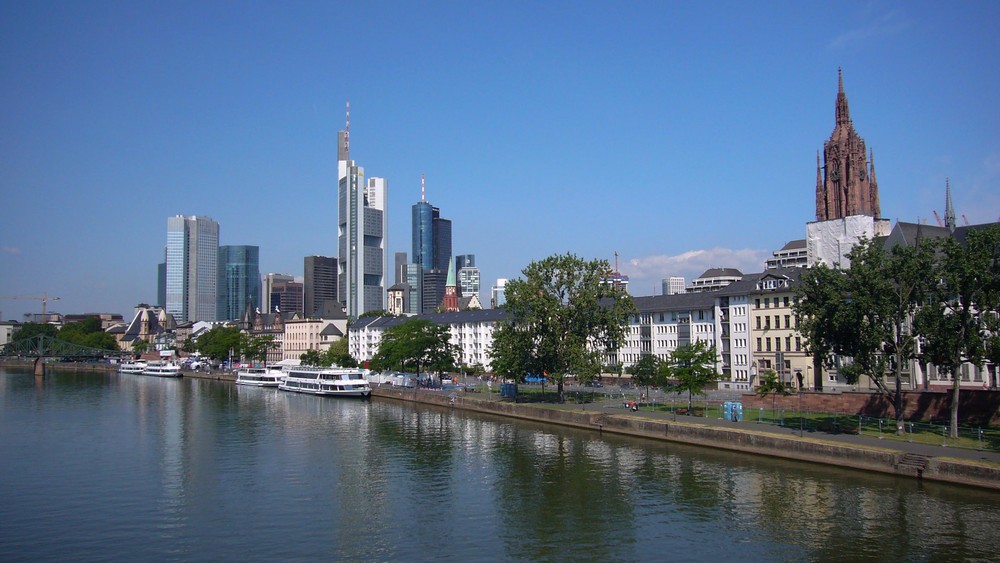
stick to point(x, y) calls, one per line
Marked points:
point(890, 454)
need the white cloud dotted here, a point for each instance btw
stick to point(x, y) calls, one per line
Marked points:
point(11, 250)
point(646, 273)
point(884, 26)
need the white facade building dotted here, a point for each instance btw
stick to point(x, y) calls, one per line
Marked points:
point(828, 242)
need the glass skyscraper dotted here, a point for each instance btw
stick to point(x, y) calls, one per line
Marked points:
point(192, 268)
point(239, 281)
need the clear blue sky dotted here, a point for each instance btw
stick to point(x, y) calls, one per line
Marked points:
point(682, 135)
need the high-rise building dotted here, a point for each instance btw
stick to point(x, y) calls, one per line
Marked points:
point(673, 285)
point(286, 298)
point(845, 184)
point(431, 250)
point(362, 230)
point(399, 271)
point(161, 281)
point(269, 282)
point(414, 288)
point(239, 281)
point(498, 298)
point(468, 275)
point(320, 281)
point(192, 268)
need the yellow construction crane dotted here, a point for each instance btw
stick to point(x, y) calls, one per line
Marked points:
point(44, 298)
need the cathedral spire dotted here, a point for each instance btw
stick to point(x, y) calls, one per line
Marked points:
point(843, 113)
point(949, 209)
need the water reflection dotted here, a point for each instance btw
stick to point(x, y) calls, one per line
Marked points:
point(197, 469)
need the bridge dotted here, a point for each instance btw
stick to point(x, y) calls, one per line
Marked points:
point(43, 346)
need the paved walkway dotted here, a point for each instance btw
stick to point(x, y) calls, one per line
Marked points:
point(885, 443)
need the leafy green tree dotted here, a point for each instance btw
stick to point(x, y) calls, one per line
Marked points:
point(865, 313)
point(416, 344)
point(219, 342)
point(88, 332)
point(647, 372)
point(955, 323)
point(338, 354)
point(255, 348)
point(691, 368)
point(139, 346)
point(313, 358)
point(562, 318)
point(31, 330)
point(771, 384)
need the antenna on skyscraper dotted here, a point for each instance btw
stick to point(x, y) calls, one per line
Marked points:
point(347, 130)
point(422, 188)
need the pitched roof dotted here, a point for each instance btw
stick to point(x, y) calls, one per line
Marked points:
point(721, 272)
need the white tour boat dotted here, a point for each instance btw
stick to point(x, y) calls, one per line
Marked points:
point(326, 381)
point(260, 377)
point(132, 366)
point(162, 369)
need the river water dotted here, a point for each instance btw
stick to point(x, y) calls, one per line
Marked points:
point(108, 467)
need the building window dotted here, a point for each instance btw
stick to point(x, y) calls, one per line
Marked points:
point(798, 344)
point(767, 343)
point(767, 323)
point(786, 301)
point(777, 344)
point(788, 343)
point(758, 323)
point(758, 345)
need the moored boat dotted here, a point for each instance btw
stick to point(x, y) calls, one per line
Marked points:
point(162, 369)
point(326, 381)
point(260, 377)
point(132, 366)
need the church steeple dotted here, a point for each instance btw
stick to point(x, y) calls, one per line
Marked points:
point(450, 303)
point(843, 112)
point(845, 184)
point(949, 209)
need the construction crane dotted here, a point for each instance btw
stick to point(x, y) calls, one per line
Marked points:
point(44, 298)
point(938, 217)
point(966, 219)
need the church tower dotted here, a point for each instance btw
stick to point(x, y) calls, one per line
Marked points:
point(845, 183)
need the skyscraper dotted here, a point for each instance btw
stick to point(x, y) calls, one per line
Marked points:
point(270, 282)
point(468, 275)
point(362, 229)
point(239, 281)
point(192, 268)
point(320, 284)
point(845, 184)
point(673, 285)
point(431, 250)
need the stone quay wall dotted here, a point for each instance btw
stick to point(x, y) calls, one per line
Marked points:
point(885, 460)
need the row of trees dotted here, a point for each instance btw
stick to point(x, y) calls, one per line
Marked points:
point(936, 301)
point(87, 332)
point(690, 368)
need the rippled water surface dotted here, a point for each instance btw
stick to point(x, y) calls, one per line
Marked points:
point(98, 466)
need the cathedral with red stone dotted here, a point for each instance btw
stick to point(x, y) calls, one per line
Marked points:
point(845, 183)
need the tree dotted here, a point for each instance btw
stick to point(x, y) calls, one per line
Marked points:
point(339, 355)
point(647, 372)
point(963, 304)
point(31, 330)
point(562, 317)
point(88, 332)
point(220, 342)
point(313, 358)
point(691, 368)
point(865, 313)
point(255, 348)
point(771, 384)
point(139, 346)
point(416, 344)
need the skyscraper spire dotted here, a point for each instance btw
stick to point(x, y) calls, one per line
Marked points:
point(949, 209)
point(423, 189)
point(347, 131)
point(843, 113)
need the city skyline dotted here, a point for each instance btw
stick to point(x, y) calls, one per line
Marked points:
point(678, 137)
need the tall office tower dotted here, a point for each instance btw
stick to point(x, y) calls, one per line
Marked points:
point(399, 271)
point(845, 184)
point(269, 282)
point(468, 275)
point(362, 230)
point(161, 281)
point(192, 268)
point(673, 285)
point(431, 249)
point(414, 287)
point(498, 299)
point(286, 297)
point(239, 281)
point(320, 284)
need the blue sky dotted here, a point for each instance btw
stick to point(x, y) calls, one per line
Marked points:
point(682, 135)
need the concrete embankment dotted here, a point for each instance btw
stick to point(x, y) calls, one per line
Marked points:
point(843, 454)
